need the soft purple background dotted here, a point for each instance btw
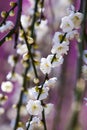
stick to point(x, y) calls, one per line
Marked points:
point(63, 95)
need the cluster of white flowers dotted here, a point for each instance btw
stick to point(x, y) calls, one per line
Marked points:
point(34, 105)
point(69, 25)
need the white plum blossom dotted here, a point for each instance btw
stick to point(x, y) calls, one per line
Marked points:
point(48, 108)
point(76, 19)
point(73, 34)
point(7, 86)
point(7, 26)
point(45, 66)
point(70, 10)
point(2, 110)
point(34, 107)
point(19, 128)
point(35, 124)
point(11, 60)
point(23, 111)
point(85, 56)
point(58, 37)
point(51, 82)
point(84, 71)
point(11, 113)
point(58, 60)
point(25, 21)
point(85, 100)
point(39, 30)
point(66, 24)
point(15, 77)
point(34, 92)
point(22, 49)
point(60, 49)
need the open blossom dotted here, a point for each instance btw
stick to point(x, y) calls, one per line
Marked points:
point(34, 92)
point(45, 66)
point(85, 56)
point(2, 110)
point(19, 128)
point(70, 10)
point(58, 37)
point(67, 24)
point(25, 21)
point(73, 34)
point(7, 86)
point(51, 82)
point(34, 107)
point(7, 26)
point(60, 49)
point(22, 49)
point(15, 77)
point(76, 19)
point(11, 60)
point(84, 71)
point(58, 60)
point(85, 100)
point(35, 124)
point(48, 108)
point(23, 111)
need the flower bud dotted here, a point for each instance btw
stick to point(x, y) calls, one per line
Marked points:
point(3, 14)
point(12, 4)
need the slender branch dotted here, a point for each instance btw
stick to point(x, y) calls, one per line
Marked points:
point(7, 14)
point(20, 99)
point(43, 112)
point(29, 50)
point(83, 35)
point(15, 29)
point(26, 70)
point(29, 123)
point(80, 87)
point(43, 119)
point(46, 77)
point(34, 18)
point(41, 14)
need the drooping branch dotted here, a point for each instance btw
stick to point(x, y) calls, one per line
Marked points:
point(7, 14)
point(15, 29)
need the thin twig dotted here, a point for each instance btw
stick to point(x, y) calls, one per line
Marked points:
point(29, 50)
point(20, 99)
point(7, 14)
point(34, 18)
point(15, 29)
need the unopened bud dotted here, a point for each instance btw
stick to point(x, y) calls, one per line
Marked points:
point(12, 4)
point(3, 14)
point(30, 40)
point(11, 13)
point(36, 80)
